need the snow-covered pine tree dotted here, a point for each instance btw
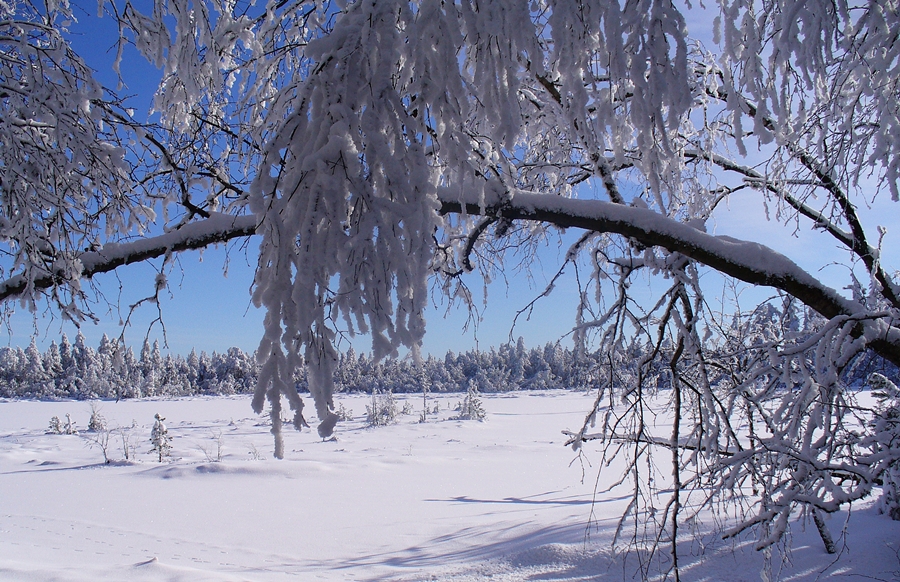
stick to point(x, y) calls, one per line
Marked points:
point(65, 353)
point(192, 368)
point(471, 408)
point(131, 376)
point(34, 377)
point(53, 364)
point(159, 438)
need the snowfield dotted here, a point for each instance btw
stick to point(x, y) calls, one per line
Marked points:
point(444, 500)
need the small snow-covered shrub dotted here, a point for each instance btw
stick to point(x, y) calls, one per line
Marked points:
point(886, 431)
point(128, 446)
point(343, 413)
point(254, 453)
point(58, 427)
point(159, 438)
point(214, 454)
point(471, 407)
point(383, 410)
point(55, 426)
point(97, 423)
point(99, 438)
point(407, 409)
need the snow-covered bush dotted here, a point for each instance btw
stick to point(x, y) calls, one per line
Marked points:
point(99, 438)
point(343, 413)
point(471, 407)
point(55, 426)
point(383, 410)
point(97, 423)
point(159, 438)
point(58, 427)
point(886, 431)
point(214, 453)
point(128, 445)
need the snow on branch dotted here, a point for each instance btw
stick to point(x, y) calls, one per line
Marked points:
point(748, 261)
point(218, 228)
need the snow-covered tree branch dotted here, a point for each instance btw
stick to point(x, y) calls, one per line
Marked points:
point(747, 261)
point(216, 228)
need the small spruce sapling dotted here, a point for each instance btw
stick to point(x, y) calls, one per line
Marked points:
point(159, 438)
point(97, 423)
point(55, 426)
point(383, 410)
point(471, 407)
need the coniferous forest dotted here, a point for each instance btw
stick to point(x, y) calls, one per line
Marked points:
point(73, 369)
point(76, 370)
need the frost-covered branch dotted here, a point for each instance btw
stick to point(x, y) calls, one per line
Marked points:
point(218, 228)
point(748, 261)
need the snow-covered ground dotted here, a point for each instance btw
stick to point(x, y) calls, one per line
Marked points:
point(444, 500)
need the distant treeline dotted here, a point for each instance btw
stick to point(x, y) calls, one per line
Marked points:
point(76, 370)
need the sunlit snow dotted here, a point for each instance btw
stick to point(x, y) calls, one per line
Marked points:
point(441, 500)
